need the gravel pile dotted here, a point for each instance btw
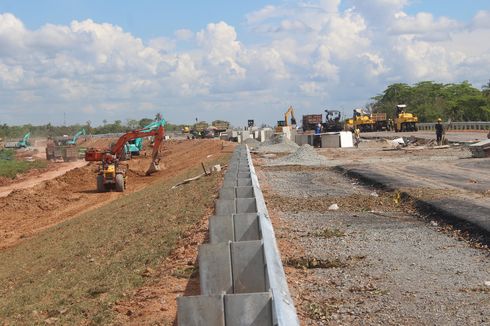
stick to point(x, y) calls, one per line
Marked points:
point(253, 143)
point(278, 144)
point(305, 155)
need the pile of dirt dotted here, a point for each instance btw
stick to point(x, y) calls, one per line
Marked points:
point(278, 144)
point(305, 155)
point(100, 143)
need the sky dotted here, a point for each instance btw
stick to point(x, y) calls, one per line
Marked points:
point(91, 60)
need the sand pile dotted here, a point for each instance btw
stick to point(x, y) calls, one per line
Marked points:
point(305, 155)
point(278, 144)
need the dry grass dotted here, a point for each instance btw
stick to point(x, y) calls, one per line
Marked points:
point(73, 273)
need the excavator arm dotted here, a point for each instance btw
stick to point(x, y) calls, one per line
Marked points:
point(118, 148)
point(289, 112)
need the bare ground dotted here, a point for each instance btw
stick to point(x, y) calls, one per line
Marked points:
point(373, 261)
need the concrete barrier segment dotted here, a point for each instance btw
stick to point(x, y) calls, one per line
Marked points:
point(201, 310)
point(246, 227)
point(215, 272)
point(246, 205)
point(247, 262)
point(248, 309)
point(225, 206)
point(221, 228)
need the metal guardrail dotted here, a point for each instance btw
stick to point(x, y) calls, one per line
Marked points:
point(467, 125)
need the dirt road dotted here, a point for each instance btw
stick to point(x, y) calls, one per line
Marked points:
point(55, 171)
point(25, 212)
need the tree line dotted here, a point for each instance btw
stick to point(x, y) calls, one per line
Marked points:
point(430, 100)
point(49, 130)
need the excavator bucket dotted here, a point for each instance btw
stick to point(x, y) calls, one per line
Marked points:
point(154, 167)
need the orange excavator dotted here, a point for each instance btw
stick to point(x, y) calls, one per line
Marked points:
point(112, 173)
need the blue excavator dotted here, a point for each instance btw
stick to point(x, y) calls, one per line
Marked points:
point(23, 143)
point(136, 145)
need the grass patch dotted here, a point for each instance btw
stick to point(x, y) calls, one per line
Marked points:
point(10, 167)
point(321, 311)
point(79, 268)
point(186, 272)
point(312, 262)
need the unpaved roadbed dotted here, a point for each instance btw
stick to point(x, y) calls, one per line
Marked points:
point(385, 266)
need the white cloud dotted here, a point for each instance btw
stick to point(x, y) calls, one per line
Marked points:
point(481, 19)
point(304, 53)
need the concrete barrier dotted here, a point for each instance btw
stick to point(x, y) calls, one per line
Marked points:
point(240, 270)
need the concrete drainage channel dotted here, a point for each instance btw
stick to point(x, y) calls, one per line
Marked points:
point(241, 274)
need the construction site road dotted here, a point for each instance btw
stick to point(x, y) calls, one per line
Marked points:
point(55, 171)
point(452, 136)
point(356, 254)
point(443, 180)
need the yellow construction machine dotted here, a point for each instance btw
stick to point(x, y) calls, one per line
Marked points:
point(404, 121)
point(281, 124)
point(362, 120)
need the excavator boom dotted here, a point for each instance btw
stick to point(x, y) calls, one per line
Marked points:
point(117, 149)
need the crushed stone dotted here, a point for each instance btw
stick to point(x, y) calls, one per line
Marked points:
point(305, 155)
point(278, 144)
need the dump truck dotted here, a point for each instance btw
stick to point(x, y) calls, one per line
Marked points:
point(310, 121)
point(220, 126)
point(380, 121)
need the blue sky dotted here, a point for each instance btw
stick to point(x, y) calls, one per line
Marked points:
point(151, 18)
point(143, 18)
point(232, 60)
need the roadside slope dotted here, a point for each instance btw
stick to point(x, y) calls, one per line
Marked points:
point(74, 272)
point(25, 212)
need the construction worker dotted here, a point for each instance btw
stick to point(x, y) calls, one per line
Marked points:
point(439, 131)
point(317, 139)
point(357, 136)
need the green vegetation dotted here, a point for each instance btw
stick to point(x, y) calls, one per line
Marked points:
point(430, 100)
point(117, 126)
point(78, 269)
point(10, 167)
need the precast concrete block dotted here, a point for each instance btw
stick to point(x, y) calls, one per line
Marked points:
point(246, 205)
point(225, 207)
point(330, 140)
point(230, 176)
point(201, 310)
point(244, 192)
point(248, 309)
point(243, 175)
point(221, 228)
point(246, 227)
point(227, 193)
point(230, 182)
point(242, 182)
point(248, 267)
point(215, 268)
